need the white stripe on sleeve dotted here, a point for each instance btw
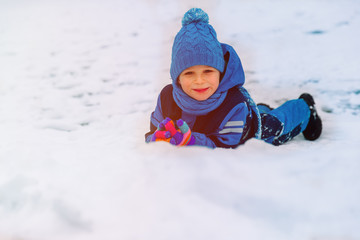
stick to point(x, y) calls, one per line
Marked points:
point(231, 130)
point(234, 124)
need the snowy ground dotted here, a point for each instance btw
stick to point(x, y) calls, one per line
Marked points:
point(79, 79)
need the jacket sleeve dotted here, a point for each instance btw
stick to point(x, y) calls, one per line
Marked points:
point(155, 118)
point(234, 128)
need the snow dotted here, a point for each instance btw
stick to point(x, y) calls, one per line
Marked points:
point(79, 80)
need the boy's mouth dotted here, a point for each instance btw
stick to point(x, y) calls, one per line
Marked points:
point(200, 90)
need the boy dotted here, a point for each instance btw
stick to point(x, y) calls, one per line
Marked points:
point(209, 103)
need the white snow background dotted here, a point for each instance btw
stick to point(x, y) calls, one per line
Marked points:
point(79, 80)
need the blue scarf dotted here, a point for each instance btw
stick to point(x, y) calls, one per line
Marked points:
point(194, 107)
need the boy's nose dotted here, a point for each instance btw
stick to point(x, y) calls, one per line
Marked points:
point(199, 79)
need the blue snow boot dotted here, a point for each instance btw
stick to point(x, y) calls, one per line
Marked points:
point(314, 127)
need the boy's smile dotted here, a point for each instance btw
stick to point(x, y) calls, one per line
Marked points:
point(199, 81)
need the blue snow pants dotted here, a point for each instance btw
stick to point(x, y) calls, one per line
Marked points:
point(285, 122)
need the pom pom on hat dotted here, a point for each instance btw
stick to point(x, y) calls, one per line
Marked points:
point(195, 15)
point(195, 44)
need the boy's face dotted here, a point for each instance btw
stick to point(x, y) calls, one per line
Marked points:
point(199, 81)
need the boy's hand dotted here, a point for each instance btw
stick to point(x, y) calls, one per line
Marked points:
point(183, 136)
point(165, 131)
point(179, 135)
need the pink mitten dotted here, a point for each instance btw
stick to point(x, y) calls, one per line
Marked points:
point(165, 131)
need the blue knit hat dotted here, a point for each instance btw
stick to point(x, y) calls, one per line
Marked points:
point(196, 44)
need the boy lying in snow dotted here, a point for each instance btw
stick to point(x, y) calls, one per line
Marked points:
point(209, 102)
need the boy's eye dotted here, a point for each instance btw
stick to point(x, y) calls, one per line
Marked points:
point(188, 73)
point(208, 71)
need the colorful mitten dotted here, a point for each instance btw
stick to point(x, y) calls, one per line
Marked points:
point(165, 131)
point(182, 137)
